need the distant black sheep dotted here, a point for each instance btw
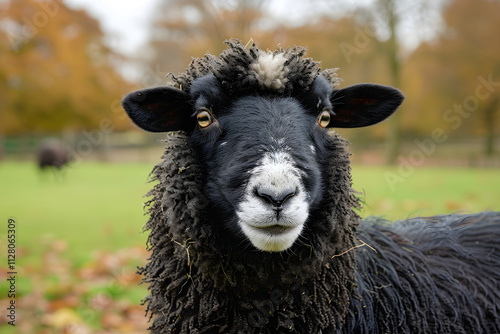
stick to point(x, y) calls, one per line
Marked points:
point(52, 153)
point(252, 222)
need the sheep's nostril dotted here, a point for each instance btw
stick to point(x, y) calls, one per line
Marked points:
point(273, 197)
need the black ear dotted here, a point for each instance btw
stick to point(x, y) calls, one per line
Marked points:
point(159, 109)
point(363, 105)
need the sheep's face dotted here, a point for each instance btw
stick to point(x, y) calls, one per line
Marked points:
point(264, 156)
point(260, 156)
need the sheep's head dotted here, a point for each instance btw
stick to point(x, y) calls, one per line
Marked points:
point(264, 150)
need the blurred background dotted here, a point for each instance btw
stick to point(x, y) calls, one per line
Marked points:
point(74, 170)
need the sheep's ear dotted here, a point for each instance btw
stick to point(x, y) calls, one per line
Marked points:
point(363, 105)
point(159, 109)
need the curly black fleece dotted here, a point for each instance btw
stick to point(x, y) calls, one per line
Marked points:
point(428, 275)
point(434, 275)
point(233, 70)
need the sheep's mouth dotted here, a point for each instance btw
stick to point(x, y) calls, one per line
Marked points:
point(275, 229)
point(273, 237)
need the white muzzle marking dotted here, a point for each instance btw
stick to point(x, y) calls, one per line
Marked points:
point(268, 227)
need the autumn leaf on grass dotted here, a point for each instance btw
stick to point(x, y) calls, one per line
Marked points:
point(62, 318)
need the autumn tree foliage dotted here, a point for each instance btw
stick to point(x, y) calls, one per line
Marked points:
point(56, 74)
point(453, 81)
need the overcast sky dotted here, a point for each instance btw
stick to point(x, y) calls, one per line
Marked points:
point(126, 22)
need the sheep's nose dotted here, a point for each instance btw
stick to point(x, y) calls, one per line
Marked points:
point(274, 197)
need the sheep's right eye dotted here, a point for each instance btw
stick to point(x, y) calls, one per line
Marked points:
point(324, 119)
point(204, 118)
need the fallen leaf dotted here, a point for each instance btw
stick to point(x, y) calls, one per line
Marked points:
point(62, 318)
point(111, 320)
point(70, 301)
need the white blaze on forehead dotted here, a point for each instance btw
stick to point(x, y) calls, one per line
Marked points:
point(276, 172)
point(270, 70)
point(276, 160)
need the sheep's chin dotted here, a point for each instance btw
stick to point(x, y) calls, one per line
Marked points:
point(269, 241)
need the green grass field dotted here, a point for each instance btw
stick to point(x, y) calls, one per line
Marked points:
point(79, 240)
point(92, 206)
point(427, 191)
point(79, 235)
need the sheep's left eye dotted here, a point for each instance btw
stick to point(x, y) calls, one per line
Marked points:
point(204, 118)
point(324, 119)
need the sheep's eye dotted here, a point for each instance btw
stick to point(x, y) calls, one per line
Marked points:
point(204, 118)
point(324, 119)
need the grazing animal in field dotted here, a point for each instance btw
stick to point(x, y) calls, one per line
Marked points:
point(252, 218)
point(52, 153)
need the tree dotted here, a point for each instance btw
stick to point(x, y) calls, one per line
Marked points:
point(458, 73)
point(56, 72)
point(386, 22)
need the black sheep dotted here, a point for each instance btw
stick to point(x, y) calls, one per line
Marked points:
point(252, 222)
point(52, 153)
